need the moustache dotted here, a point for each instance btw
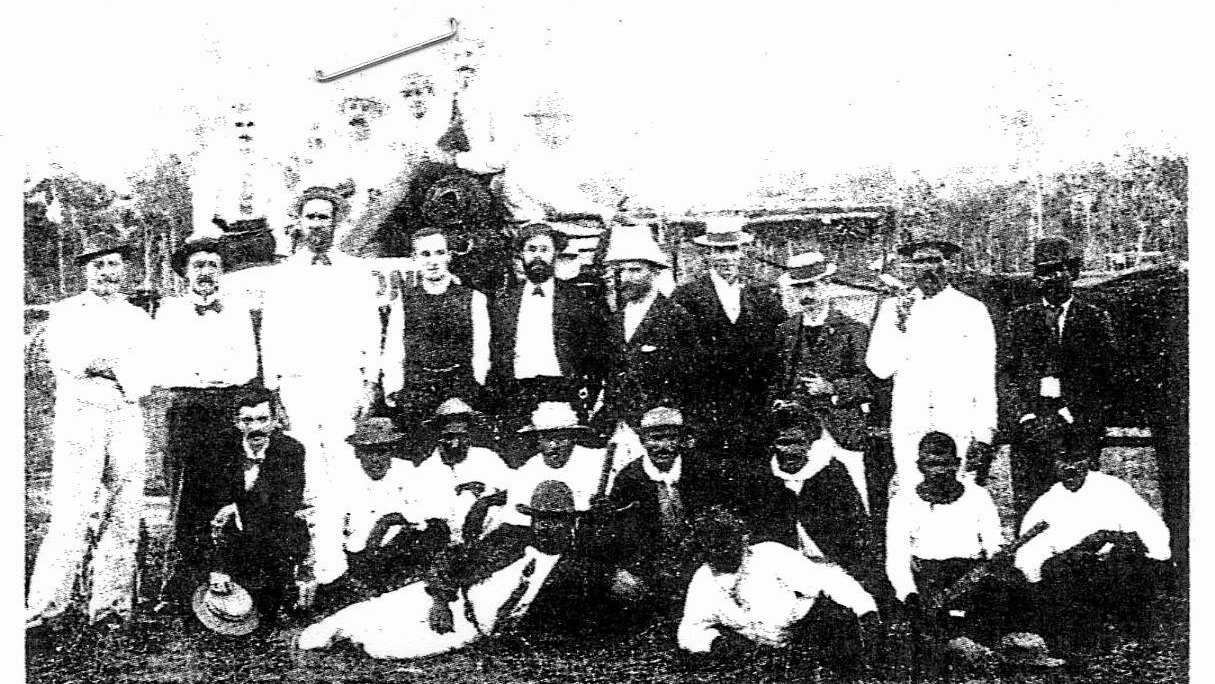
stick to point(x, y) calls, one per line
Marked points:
point(258, 433)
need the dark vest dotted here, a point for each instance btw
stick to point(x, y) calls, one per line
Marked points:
point(438, 328)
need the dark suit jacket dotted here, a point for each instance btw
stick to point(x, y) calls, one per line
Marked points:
point(267, 510)
point(1083, 360)
point(637, 532)
point(733, 362)
point(650, 369)
point(839, 356)
point(830, 510)
point(579, 330)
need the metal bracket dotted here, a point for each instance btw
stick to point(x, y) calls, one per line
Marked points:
point(325, 78)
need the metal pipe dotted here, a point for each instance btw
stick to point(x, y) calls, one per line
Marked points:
point(325, 78)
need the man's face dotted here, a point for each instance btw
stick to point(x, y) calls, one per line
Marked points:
point(928, 269)
point(938, 464)
point(202, 273)
point(1071, 471)
point(256, 423)
point(792, 449)
point(538, 254)
point(663, 444)
point(104, 274)
point(454, 442)
point(318, 222)
point(433, 256)
point(375, 460)
point(726, 261)
point(636, 279)
point(556, 447)
point(813, 297)
point(725, 556)
point(417, 93)
point(1054, 282)
point(553, 533)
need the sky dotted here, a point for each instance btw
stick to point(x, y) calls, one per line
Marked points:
point(685, 105)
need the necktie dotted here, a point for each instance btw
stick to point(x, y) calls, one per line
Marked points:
point(538, 291)
point(215, 306)
point(670, 510)
point(322, 259)
point(1053, 315)
point(512, 601)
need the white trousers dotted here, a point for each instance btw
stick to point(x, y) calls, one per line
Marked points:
point(96, 502)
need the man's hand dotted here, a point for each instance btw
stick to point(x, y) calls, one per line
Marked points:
point(221, 583)
point(816, 386)
point(225, 516)
point(477, 488)
point(441, 620)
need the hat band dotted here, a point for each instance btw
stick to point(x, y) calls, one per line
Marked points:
point(809, 272)
point(724, 237)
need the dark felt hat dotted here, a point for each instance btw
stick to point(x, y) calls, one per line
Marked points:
point(104, 241)
point(550, 498)
point(1052, 251)
point(927, 237)
point(194, 245)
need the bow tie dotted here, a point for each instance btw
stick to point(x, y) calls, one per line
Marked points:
point(215, 306)
point(321, 259)
point(538, 291)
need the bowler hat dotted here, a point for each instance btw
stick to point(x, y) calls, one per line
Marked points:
point(231, 613)
point(104, 241)
point(927, 237)
point(550, 498)
point(1052, 251)
point(724, 231)
point(194, 245)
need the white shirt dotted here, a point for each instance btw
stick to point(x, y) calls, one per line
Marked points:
point(966, 528)
point(253, 463)
point(86, 328)
point(371, 500)
point(535, 339)
point(394, 345)
point(581, 473)
point(634, 313)
point(1066, 306)
point(774, 587)
point(208, 350)
point(729, 294)
point(434, 483)
point(1103, 502)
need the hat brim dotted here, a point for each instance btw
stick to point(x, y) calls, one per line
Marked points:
point(829, 271)
point(534, 513)
point(528, 429)
point(439, 422)
point(178, 260)
point(743, 238)
point(127, 251)
point(219, 625)
point(1035, 660)
point(947, 248)
point(377, 441)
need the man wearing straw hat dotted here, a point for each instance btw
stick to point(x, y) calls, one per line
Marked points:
point(939, 347)
point(208, 353)
point(95, 343)
point(734, 337)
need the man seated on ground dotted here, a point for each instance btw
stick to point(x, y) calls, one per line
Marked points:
point(488, 589)
point(657, 496)
point(259, 538)
point(456, 474)
point(936, 533)
point(811, 504)
point(769, 595)
point(555, 426)
point(1102, 557)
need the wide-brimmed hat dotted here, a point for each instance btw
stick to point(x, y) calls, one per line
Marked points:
point(724, 231)
point(808, 267)
point(104, 241)
point(232, 613)
point(451, 411)
point(635, 243)
point(550, 498)
point(552, 416)
point(193, 245)
point(1053, 251)
point(375, 432)
point(929, 237)
point(661, 417)
point(1026, 648)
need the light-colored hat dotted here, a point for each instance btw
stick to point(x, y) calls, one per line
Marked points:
point(724, 231)
point(1026, 648)
point(550, 416)
point(450, 411)
point(808, 267)
point(375, 431)
point(232, 613)
point(635, 243)
point(662, 416)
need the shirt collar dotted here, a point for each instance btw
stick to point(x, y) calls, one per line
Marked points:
point(1065, 306)
point(251, 455)
point(720, 283)
point(819, 457)
point(668, 478)
point(439, 287)
point(818, 320)
point(546, 287)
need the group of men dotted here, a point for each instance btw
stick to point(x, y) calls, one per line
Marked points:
point(547, 458)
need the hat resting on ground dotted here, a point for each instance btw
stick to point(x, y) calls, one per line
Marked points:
point(724, 231)
point(808, 267)
point(232, 614)
point(635, 243)
point(550, 498)
point(375, 432)
point(104, 241)
point(552, 416)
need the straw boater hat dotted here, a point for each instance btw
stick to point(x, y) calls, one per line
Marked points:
point(550, 498)
point(375, 432)
point(635, 243)
point(660, 417)
point(232, 614)
point(193, 245)
point(552, 416)
point(104, 241)
point(450, 414)
point(724, 231)
point(1052, 251)
point(808, 267)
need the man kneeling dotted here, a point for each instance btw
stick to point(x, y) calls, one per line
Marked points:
point(767, 594)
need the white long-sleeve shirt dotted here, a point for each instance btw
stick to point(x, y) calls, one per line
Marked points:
point(966, 528)
point(208, 350)
point(774, 587)
point(370, 500)
point(581, 473)
point(86, 328)
point(433, 488)
point(944, 369)
point(1104, 502)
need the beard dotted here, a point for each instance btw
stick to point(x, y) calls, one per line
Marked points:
point(633, 292)
point(538, 270)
